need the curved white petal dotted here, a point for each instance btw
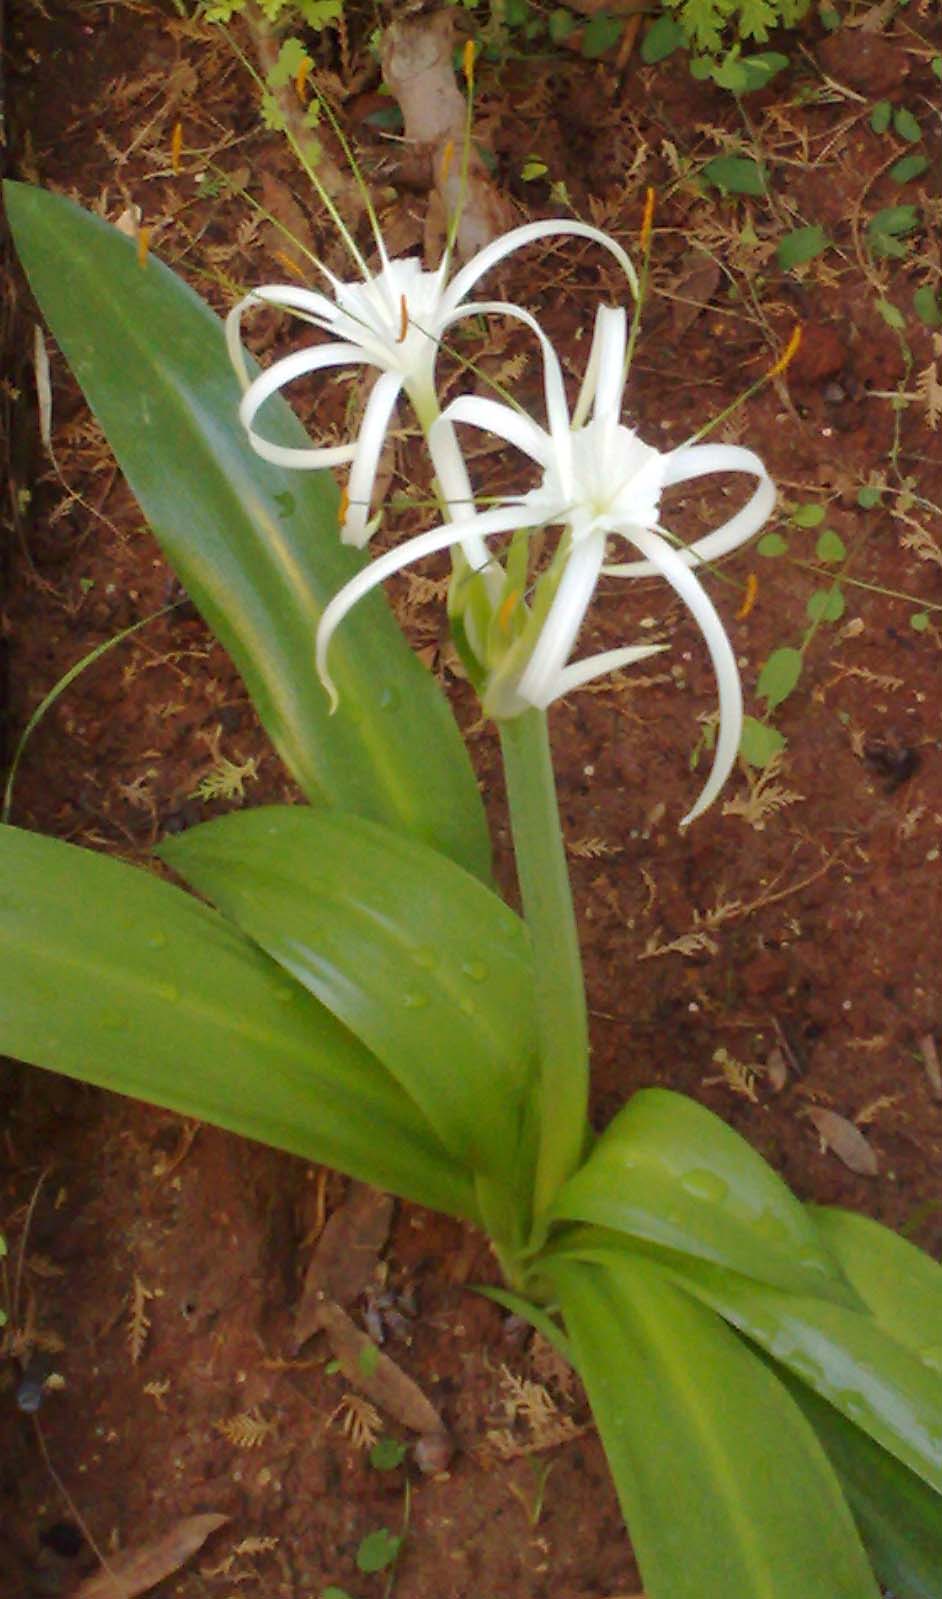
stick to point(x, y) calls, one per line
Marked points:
point(554, 388)
point(669, 562)
point(455, 487)
point(285, 296)
point(499, 248)
point(612, 325)
point(593, 666)
point(379, 408)
point(587, 387)
point(505, 519)
point(687, 463)
point(493, 416)
point(300, 364)
point(538, 682)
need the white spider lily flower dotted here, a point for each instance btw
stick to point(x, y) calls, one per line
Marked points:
point(600, 482)
point(394, 321)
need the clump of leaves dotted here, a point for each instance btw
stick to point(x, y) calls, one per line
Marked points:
point(714, 31)
point(313, 13)
point(708, 24)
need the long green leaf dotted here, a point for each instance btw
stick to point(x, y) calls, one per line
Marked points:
point(112, 976)
point(900, 1284)
point(843, 1354)
point(421, 961)
point(668, 1171)
point(725, 1489)
point(898, 1516)
point(256, 546)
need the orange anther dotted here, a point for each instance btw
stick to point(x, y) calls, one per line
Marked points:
point(289, 265)
point(647, 220)
point(403, 319)
point(343, 507)
point(143, 245)
point(448, 156)
point(176, 146)
point(301, 77)
point(749, 598)
point(788, 352)
point(507, 607)
point(467, 62)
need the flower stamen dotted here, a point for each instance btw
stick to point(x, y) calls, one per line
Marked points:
point(788, 354)
point(403, 319)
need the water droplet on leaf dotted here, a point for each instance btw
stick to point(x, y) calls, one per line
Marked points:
point(705, 1185)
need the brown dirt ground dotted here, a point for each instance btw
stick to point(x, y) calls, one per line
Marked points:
point(807, 917)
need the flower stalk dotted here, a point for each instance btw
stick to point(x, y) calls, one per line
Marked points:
point(562, 1025)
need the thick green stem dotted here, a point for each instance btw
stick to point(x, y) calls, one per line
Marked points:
point(562, 1029)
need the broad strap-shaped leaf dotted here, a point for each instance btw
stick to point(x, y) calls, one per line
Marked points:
point(256, 546)
point(898, 1516)
point(843, 1354)
point(900, 1284)
point(415, 956)
point(667, 1170)
point(725, 1489)
point(112, 976)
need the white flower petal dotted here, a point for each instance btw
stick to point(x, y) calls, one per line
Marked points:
point(587, 388)
point(506, 519)
point(612, 326)
point(379, 408)
point(700, 460)
point(593, 666)
point(498, 249)
point(299, 364)
point(493, 416)
point(557, 411)
point(669, 562)
point(538, 681)
point(283, 295)
point(455, 487)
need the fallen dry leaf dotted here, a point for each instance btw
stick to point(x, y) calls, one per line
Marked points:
point(930, 1060)
point(376, 1375)
point(694, 289)
point(344, 1262)
point(134, 1571)
point(844, 1140)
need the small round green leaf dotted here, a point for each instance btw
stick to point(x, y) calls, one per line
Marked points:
point(801, 245)
point(779, 676)
point(909, 166)
point(880, 116)
point(868, 497)
point(335, 1593)
point(808, 515)
point(368, 1359)
point(601, 34)
point(826, 605)
point(919, 621)
point(387, 1454)
point(736, 174)
point(830, 547)
point(664, 36)
point(937, 66)
point(561, 24)
point(533, 168)
point(759, 743)
point(377, 1550)
point(892, 315)
point(830, 19)
point(927, 305)
point(772, 544)
point(905, 124)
